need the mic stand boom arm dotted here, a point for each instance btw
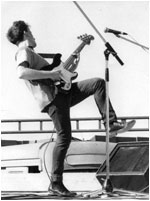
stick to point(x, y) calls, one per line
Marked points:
point(132, 41)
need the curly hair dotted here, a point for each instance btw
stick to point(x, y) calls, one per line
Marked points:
point(16, 31)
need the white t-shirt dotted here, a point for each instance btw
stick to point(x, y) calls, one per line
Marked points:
point(43, 94)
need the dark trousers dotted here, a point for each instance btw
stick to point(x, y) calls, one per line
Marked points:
point(59, 111)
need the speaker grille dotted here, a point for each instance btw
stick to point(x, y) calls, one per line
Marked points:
point(129, 166)
point(129, 159)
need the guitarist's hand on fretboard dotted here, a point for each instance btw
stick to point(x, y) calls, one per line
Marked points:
point(76, 60)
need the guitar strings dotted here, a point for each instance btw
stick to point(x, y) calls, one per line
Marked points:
point(70, 60)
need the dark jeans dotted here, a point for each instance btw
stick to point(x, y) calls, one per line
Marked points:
point(59, 111)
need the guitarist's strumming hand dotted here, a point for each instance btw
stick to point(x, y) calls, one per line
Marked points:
point(56, 73)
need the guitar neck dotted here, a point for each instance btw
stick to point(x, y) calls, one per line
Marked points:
point(80, 47)
point(69, 61)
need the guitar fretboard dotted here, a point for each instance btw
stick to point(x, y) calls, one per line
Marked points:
point(69, 61)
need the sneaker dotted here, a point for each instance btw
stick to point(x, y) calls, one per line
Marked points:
point(120, 127)
point(58, 188)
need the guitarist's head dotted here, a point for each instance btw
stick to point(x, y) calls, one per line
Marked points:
point(20, 33)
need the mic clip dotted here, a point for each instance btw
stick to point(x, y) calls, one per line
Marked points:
point(113, 52)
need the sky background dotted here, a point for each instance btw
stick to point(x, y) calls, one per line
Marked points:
point(56, 25)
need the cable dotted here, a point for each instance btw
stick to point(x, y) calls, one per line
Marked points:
point(44, 155)
point(143, 189)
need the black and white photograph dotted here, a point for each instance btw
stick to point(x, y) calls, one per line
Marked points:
point(74, 100)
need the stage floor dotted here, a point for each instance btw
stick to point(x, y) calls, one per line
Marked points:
point(34, 186)
point(90, 195)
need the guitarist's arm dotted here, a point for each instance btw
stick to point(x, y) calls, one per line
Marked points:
point(24, 72)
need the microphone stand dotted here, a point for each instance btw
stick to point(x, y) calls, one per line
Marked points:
point(107, 186)
point(117, 35)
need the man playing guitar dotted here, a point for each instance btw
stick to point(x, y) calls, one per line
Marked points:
point(55, 93)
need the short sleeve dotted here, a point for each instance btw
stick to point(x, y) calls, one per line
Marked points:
point(23, 55)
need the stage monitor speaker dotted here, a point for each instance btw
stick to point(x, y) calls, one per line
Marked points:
point(129, 167)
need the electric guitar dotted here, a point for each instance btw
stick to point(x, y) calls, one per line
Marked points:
point(68, 68)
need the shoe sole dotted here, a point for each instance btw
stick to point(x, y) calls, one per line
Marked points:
point(55, 193)
point(127, 127)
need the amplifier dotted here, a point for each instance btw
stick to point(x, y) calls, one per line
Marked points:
point(129, 166)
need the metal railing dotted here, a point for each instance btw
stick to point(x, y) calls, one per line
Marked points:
point(99, 128)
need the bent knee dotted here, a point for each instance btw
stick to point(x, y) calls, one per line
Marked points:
point(100, 82)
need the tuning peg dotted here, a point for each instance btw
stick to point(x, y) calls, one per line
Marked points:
point(85, 37)
point(79, 37)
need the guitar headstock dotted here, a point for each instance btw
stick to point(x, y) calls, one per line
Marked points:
point(86, 38)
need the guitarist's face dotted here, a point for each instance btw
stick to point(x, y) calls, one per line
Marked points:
point(29, 38)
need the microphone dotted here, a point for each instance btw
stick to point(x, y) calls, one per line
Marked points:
point(107, 30)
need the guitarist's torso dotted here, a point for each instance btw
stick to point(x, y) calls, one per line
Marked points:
point(27, 54)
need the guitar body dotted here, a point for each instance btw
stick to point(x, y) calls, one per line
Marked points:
point(67, 76)
point(56, 62)
point(67, 69)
